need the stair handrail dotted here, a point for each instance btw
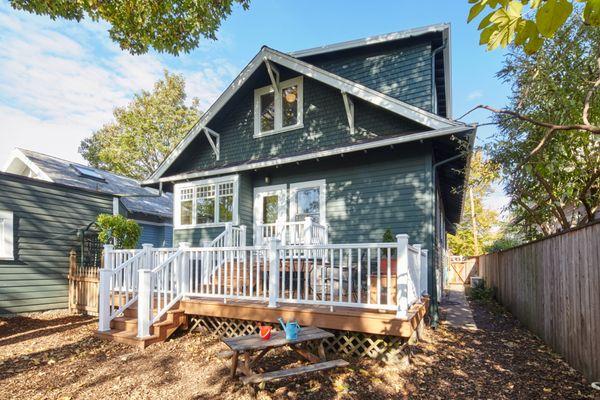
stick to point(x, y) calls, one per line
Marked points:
point(118, 286)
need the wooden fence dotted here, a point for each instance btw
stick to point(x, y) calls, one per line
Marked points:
point(553, 287)
point(83, 287)
point(461, 270)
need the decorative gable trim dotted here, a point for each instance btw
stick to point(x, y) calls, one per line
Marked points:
point(267, 54)
point(17, 155)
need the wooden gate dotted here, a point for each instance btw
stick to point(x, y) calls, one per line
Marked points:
point(461, 269)
point(83, 287)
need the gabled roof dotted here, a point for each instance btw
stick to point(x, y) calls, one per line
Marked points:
point(357, 90)
point(372, 40)
point(57, 170)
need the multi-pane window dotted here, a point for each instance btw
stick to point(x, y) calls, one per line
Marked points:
point(278, 110)
point(186, 206)
point(207, 203)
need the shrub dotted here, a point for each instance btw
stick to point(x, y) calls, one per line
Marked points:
point(480, 292)
point(122, 232)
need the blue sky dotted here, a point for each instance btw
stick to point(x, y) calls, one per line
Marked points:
point(60, 80)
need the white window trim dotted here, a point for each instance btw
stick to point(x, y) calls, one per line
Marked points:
point(322, 185)
point(7, 236)
point(192, 184)
point(299, 82)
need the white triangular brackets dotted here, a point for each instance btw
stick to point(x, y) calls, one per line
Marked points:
point(215, 141)
point(349, 105)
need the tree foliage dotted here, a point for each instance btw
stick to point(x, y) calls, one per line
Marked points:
point(552, 177)
point(122, 232)
point(478, 222)
point(171, 26)
point(527, 23)
point(144, 132)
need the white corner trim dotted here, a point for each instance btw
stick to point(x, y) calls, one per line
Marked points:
point(319, 183)
point(17, 154)
point(6, 235)
point(404, 34)
point(116, 202)
point(211, 181)
point(379, 99)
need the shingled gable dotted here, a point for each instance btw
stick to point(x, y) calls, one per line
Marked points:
point(265, 55)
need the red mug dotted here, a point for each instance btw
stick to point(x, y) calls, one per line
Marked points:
point(265, 332)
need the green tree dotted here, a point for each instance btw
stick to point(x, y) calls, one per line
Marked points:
point(552, 176)
point(527, 23)
point(477, 230)
point(171, 26)
point(144, 132)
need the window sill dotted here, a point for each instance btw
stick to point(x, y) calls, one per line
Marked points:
point(196, 226)
point(275, 132)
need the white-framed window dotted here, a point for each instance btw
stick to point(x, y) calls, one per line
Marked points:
point(280, 111)
point(205, 203)
point(6, 236)
point(308, 199)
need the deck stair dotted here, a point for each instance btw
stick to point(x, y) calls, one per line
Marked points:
point(124, 329)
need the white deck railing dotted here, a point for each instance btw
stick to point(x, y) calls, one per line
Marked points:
point(383, 276)
point(305, 232)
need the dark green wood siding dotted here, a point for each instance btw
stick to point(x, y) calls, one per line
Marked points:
point(325, 126)
point(400, 72)
point(46, 217)
point(366, 194)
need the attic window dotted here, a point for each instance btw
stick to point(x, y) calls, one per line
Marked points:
point(87, 172)
point(278, 111)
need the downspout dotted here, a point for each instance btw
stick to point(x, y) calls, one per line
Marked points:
point(434, 105)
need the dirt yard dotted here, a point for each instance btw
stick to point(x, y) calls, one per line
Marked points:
point(54, 356)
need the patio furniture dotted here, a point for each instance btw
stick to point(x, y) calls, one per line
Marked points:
point(249, 344)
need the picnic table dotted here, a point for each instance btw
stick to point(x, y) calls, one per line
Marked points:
point(250, 344)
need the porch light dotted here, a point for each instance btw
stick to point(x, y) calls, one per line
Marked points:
point(267, 180)
point(290, 97)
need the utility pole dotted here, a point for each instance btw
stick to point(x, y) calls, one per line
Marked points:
point(474, 222)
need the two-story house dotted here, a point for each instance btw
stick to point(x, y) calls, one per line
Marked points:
point(350, 140)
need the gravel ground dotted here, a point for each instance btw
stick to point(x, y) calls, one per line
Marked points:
point(54, 355)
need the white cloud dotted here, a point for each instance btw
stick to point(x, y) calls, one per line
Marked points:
point(497, 200)
point(60, 80)
point(476, 94)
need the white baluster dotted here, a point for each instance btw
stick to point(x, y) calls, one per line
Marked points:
point(424, 270)
point(274, 245)
point(417, 282)
point(184, 269)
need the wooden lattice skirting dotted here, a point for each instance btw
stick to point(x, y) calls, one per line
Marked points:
point(344, 343)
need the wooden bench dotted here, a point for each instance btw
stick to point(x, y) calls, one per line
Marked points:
point(247, 345)
point(284, 373)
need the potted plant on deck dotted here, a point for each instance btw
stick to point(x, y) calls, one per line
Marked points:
point(388, 237)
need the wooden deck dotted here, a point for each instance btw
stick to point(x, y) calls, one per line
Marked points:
point(342, 318)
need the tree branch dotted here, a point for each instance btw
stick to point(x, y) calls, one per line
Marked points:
point(560, 213)
point(588, 97)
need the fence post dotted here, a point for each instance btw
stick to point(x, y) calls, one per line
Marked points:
point(104, 290)
point(307, 239)
point(108, 249)
point(148, 255)
point(228, 235)
point(242, 235)
point(424, 269)
point(274, 245)
point(280, 232)
point(144, 302)
point(184, 269)
point(402, 276)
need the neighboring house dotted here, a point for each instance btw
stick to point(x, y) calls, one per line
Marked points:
point(44, 202)
point(130, 199)
point(287, 184)
point(356, 135)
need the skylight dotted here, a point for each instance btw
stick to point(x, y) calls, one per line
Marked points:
point(87, 172)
